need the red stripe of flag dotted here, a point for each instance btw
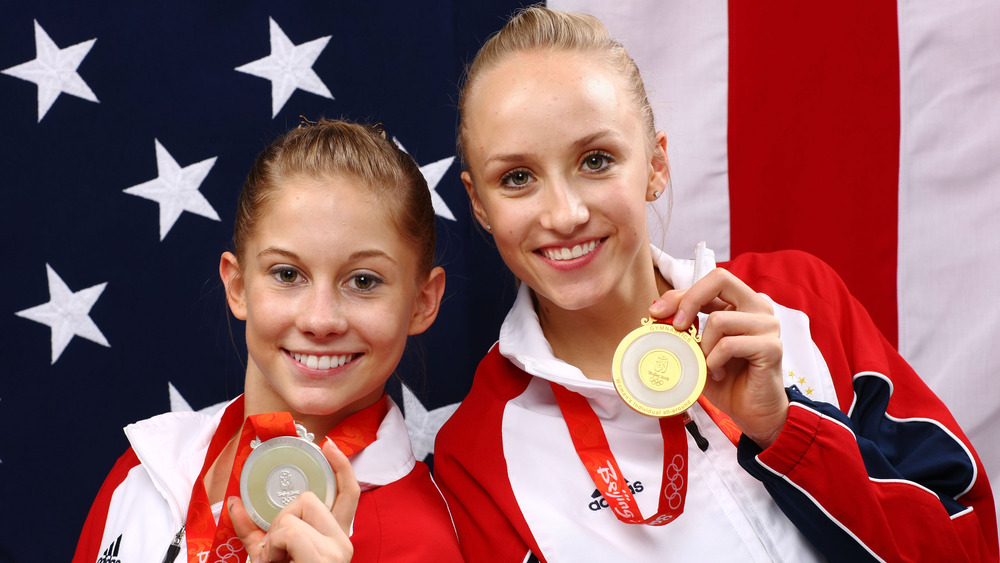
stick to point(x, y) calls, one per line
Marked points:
point(814, 138)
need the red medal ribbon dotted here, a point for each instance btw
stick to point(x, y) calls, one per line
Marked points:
point(592, 446)
point(352, 435)
point(722, 420)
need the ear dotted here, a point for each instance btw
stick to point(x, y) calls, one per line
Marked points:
point(477, 204)
point(659, 170)
point(229, 271)
point(428, 302)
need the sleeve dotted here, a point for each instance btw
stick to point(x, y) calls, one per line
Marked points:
point(88, 549)
point(470, 468)
point(890, 478)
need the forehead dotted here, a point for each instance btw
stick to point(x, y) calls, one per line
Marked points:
point(561, 92)
point(323, 211)
point(300, 191)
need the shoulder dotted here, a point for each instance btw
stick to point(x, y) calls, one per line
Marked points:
point(406, 520)
point(789, 275)
point(496, 382)
point(119, 474)
point(787, 265)
point(92, 535)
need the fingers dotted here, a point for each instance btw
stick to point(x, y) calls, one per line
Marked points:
point(729, 335)
point(244, 527)
point(306, 531)
point(348, 490)
point(719, 290)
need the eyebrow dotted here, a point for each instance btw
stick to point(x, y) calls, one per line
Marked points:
point(279, 251)
point(357, 255)
point(577, 145)
point(372, 253)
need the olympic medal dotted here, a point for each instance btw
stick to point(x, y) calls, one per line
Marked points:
point(279, 470)
point(658, 370)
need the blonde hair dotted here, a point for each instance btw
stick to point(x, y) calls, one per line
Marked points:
point(340, 149)
point(537, 28)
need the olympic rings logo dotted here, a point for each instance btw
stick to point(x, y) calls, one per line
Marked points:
point(229, 552)
point(672, 489)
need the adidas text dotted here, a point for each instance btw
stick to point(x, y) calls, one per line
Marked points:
point(600, 502)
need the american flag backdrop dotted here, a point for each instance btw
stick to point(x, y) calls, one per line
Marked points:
point(865, 132)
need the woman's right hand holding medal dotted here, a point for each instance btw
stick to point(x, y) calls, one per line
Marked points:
point(305, 531)
point(742, 350)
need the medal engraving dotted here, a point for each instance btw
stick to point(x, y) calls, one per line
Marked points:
point(285, 483)
point(659, 371)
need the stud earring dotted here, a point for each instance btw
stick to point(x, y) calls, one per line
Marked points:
point(656, 194)
point(489, 227)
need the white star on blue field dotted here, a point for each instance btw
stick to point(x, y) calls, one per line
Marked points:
point(289, 67)
point(53, 70)
point(176, 189)
point(67, 313)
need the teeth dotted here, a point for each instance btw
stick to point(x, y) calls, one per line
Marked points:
point(569, 253)
point(322, 362)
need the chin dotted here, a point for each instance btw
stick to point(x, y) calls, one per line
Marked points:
point(314, 406)
point(571, 300)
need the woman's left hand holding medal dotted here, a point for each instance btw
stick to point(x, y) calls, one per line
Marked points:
point(305, 531)
point(742, 350)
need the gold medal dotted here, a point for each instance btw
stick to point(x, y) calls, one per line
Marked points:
point(279, 470)
point(658, 370)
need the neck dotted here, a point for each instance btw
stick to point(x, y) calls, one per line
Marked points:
point(587, 338)
point(217, 477)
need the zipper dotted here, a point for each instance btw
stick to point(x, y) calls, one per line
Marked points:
point(692, 428)
point(175, 547)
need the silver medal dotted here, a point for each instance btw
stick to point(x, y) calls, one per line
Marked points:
point(277, 471)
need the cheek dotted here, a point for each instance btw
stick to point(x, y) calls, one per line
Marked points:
point(387, 341)
point(266, 314)
point(628, 205)
point(511, 222)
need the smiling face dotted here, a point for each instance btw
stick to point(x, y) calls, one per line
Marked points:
point(329, 292)
point(560, 168)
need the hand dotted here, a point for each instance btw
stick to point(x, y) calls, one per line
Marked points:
point(305, 531)
point(742, 350)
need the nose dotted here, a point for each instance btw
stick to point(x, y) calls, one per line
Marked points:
point(323, 313)
point(564, 207)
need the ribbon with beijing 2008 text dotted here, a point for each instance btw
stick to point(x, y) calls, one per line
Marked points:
point(592, 447)
point(219, 542)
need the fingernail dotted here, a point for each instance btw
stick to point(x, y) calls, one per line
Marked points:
point(263, 541)
point(679, 319)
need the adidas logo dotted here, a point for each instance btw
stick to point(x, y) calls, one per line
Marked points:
point(111, 553)
point(600, 502)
